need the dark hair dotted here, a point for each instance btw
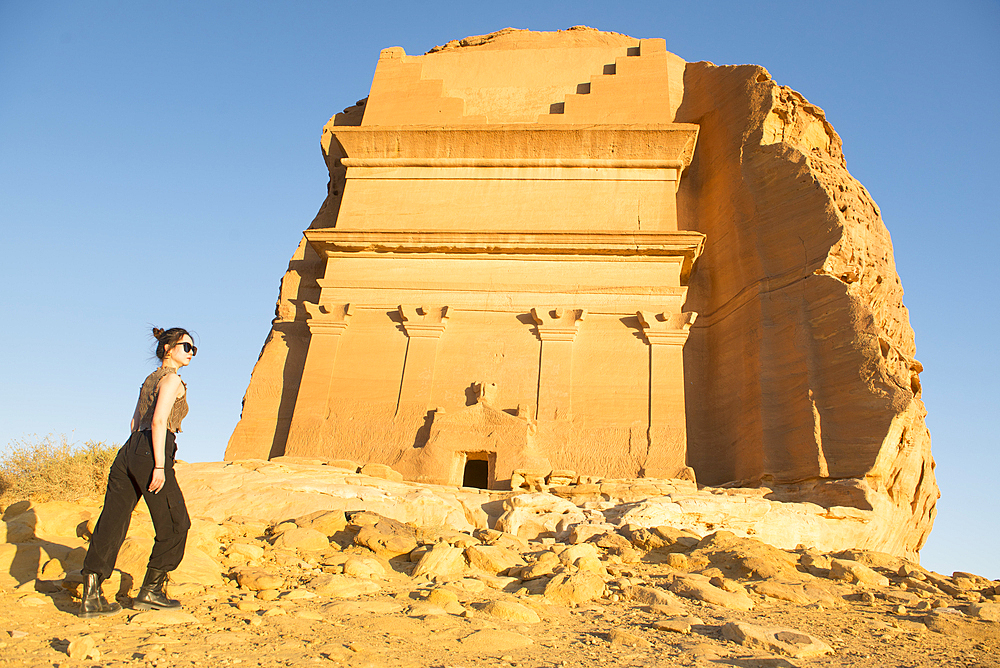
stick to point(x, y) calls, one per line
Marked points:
point(168, 338)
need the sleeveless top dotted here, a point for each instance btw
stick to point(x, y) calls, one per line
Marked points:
point(147, 402)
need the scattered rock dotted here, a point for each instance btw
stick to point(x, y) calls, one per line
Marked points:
point(853, 571)
point(539, 514)
point(689, 586)
point(84, 648)
point(626, 639)
point(492, 558)
point(785, 641)
point(492, 641)
point(680, 625)
point(339, 586)
point(744, 557)
point(441, 597)
point(424, 609)
point(511, 611)
point(385, 537)
point(987, 611)
point(327, 522)
point(544, 566)
point(652, 596)
point(344, 608)
point(574, 589)
point(363, 567)
point(163, 618)
point(300, 538)
point(256, 579)
point(440, 560)
point(245, 550)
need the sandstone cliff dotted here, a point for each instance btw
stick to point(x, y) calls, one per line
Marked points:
point(801, 365)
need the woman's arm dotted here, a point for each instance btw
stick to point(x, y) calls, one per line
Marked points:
point(167, 391)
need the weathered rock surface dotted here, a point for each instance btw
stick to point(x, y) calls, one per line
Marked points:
point(820, 404)
point(786, 641)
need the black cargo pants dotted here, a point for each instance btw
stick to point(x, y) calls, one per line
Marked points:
point(128, 480)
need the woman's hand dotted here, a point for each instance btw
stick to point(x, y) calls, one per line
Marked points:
point(159, 479)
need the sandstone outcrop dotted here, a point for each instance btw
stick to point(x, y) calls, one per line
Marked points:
point(476, 595)
point(465, 306)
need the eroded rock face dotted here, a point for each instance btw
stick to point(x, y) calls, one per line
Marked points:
point(802, 357)
point(799, 375)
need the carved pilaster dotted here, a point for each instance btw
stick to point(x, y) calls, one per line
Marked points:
point(667, 434)
point(557, 330)
point(326, 324)
point(424, 326)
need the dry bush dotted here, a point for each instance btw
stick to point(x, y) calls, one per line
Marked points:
point(53, 468)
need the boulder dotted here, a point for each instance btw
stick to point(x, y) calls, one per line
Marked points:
point(989, 612)
point(84, 648)
point(440, 560)
point(539, 514)
point(852, 571)
point(385, 537)
point(574, 589)
point(741, 557)
point(196, 568)
point(652, 596)
point(623, 638)
point(299, 538)
point(492, 558)
point(690, 586)
point(246, 551)
point(545, 565)
point(363, 567)
point(571, 556)
point(784, 641)
point(340, 586)
point(256, 579)
point(327, 522)
point(511, 611)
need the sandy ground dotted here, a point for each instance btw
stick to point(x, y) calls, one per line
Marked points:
point(228, 626)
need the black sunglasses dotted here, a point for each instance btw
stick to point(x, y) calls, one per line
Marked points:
point(189, 347)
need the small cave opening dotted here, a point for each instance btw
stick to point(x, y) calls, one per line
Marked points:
point(477, 472)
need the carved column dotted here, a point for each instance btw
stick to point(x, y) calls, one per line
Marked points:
point(666, 334)
point(557, 330)
point(326, 324)
point(424, 326)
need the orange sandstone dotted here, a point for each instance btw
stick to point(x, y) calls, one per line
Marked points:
point(576, 252)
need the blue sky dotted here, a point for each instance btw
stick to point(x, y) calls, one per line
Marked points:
point(159, 160)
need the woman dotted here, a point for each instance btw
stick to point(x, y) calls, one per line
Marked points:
point(144, 467)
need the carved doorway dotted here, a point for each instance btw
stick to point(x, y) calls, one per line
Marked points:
point(477, 470)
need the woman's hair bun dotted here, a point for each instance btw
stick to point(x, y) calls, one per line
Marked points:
point(157, 333)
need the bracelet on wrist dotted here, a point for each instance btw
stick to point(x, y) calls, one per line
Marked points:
point(157, 468)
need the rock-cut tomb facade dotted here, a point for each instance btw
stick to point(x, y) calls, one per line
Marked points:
point(577, 252)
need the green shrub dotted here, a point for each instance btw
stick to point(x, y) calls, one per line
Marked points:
point(52, 468)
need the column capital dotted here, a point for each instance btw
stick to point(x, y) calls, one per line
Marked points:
point(328, 318)
point(424, 321)
point(666, 328)
point(558, 324)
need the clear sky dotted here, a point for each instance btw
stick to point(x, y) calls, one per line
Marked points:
point(159, 160)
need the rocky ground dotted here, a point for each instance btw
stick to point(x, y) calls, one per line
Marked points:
point(362, 589)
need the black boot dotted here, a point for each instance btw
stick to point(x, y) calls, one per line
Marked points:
point(151, 596)
point(92, 602)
